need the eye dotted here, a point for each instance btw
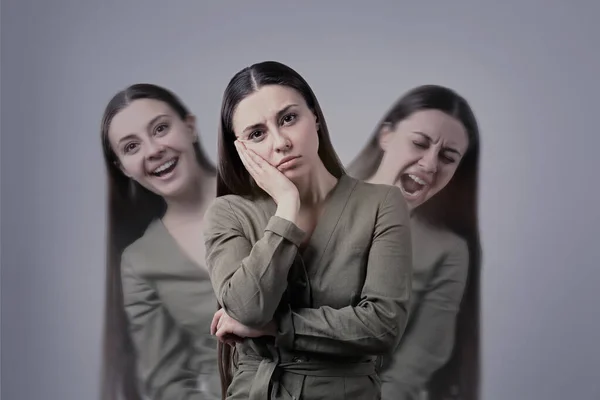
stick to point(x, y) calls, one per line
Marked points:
point(161, 128)
point(421, 145)
point(254, 135)
point(289, 119)
point(447, 159)
point(129, 147)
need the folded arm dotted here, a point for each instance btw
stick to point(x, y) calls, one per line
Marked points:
point(249, 281)
point(376, 323)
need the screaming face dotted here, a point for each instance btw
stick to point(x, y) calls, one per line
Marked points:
point(422, 152)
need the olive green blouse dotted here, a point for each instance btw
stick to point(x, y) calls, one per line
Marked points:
point(170, 304)
point(339, 302)
point(440, 267)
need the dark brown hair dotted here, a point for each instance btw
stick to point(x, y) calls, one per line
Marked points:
point(232, 176)
point(131, 208)
point(454, 208)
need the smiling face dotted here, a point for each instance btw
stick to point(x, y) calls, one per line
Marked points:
point(423, 152)
point(155, 146)
point(276, 123)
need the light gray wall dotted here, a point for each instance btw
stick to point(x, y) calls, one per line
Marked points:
point(529, 68)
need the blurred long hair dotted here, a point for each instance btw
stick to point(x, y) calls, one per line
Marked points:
point(455, 208)
point(131, 208)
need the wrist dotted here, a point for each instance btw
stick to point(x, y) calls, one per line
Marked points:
point(289, 209)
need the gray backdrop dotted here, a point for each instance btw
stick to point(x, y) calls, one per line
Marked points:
point(529, 68)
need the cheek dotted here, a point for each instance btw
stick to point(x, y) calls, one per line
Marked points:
point(444, 177)
point(404, 150)
point(132, 166)
point(399, 158)
point(263, 149)
point(306, 134)
point(311, 142)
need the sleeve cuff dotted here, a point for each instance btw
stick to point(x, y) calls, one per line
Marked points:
point(285, 331)
point(286, 229)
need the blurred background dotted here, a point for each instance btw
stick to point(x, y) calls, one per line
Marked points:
point(529, 69)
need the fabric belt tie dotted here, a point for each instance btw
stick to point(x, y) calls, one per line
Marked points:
point(269, 370)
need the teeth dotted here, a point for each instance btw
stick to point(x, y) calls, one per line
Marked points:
point(417, 179)
point(163, 167)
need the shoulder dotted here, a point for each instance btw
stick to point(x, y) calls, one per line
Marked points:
point(376, 193)
point(137, 251)
point(232, 203)
point(451, 247)
point(237, 212)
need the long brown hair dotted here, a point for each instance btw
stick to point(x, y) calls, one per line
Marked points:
point(232, 176)
point(454, 208)
point(131, 208)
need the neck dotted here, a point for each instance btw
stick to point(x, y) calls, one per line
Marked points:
point(191, 204)
point(315, 187)
point(377, 178)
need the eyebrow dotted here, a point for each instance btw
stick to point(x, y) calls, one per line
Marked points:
point(426, 136)
point(152, 122)
point(279, 114)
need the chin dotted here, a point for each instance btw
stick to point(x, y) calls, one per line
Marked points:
point(171, 190)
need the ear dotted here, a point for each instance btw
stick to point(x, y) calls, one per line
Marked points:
point(190, 122)
point(384, 135)
point(317, 124)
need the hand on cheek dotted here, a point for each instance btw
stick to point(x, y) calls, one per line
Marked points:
point(266, 176)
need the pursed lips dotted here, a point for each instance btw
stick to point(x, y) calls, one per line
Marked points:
point(286, 159)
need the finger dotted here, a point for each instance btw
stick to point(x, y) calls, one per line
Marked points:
point(248, 164)
point(222, 333)
point(258, 160)
point(215, 321)
point(253, 160)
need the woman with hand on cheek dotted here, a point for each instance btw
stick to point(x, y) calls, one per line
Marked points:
point(428, 145)
point(311, 267)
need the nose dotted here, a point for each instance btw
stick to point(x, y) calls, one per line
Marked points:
point(429, 161)
point(155, 149)
point(282, 142)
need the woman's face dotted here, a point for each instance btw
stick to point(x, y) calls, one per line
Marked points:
point(155, 147)
point(276, 123)
point(421, 153)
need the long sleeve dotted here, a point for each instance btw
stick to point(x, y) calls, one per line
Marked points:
point(249, 281)
point(375, 324)
point(428, 342)
point(161, 358)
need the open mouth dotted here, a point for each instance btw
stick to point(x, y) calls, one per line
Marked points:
point(412, 185)
point(166, 168)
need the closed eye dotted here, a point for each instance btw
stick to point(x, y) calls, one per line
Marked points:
point(446, 159)
point(421, 145)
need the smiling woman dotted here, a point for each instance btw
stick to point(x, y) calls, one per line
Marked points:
point(427, 144)
point(159, 300)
